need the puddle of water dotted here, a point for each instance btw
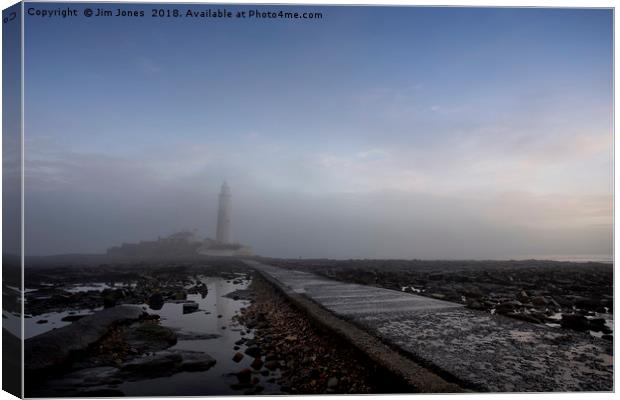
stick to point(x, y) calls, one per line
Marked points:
point(217, 380)
point(214, 316)
point(32, 326)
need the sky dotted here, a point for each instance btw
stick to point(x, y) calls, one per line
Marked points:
point(374, 132)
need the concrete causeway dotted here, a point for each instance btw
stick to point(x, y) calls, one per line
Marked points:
point(472, 349)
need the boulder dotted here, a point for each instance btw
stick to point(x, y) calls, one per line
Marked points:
point(194, 361)
point(150, 336)
point(51, 349)
point(253, 351)
point(156, 301)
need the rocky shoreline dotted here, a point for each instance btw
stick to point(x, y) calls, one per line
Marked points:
point(310, 360)
point(219, 328)
point(127, 310)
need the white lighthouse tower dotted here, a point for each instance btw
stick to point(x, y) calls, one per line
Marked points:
point(223, 216)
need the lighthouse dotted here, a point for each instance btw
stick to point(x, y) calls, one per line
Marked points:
point(223, 216)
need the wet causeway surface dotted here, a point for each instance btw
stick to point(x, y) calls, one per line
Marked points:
point(482, 351)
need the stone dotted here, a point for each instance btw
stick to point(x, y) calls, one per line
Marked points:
point(523, 297)
point(51, 349)
point(152, 366)
point(253, 351)
point(245, 375)
point(474, 304)
point(237, 357)
point(524, 317)
point(182, 295)
point(257, 364)
point(148, 337)
point(194, 361)
point(539, 301)
point(575, 322)
point(189, 308)
point(508, 306)
point(272, 365)
point(156, 301)
point(332, 382)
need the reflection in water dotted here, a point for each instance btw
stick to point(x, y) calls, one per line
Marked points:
point(215, 315)
point(217, 380)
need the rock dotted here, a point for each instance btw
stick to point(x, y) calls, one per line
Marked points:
point(156, 301)
point(150, 336)
point(508, 306)
point(523, 297)
point(194, 361)
point(575, 322)
point(237, 357)
point(42, 321)
point(189, 308)
point(272, 365)
point(597, 322)
point(166, 363)
point(553, 304)
point(245, 375)
point(608, 337)
point(152, 366)
point(524, 317)
point(474, 304)
point(51, 349)
point(182, 295)
point(109, 300)
point(332, 383)
point(589, 303)
point(253, 351)
point(94, 376)
point(257, 364)
point(539, 301)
